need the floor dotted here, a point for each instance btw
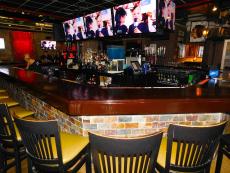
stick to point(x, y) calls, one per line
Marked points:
point(225, 167)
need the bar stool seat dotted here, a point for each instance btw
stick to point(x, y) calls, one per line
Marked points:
point(71, 145)
point(4, 95)
point(20, 112)
point(2, 90)
point(9, 102)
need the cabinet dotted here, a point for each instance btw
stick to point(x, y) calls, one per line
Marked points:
point(225, 63)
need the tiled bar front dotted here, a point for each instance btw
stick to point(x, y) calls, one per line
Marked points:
point(115, 125)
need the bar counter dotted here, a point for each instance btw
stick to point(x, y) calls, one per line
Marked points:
point(115, 111)
point(77, 99)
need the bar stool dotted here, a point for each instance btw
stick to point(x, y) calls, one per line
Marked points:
point(9, 102)
point(15, 109)
point(4, 95)
point(224, 149)
point(189, 148)
point(49, 150)
point(125, 154)
point(12, 151)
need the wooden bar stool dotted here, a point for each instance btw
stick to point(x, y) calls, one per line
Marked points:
point(224, 149)
point(50, 150)
point(12, 151)
point(4, 95)
point(125, 154)
point(9, 102)
point(189, 148)
point(20, 112)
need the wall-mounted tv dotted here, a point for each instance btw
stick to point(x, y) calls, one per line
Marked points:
point(135, 17)
point(166, 14)
point(74, 29)
point(48, 45)
point(2, 43)
point(99, 24)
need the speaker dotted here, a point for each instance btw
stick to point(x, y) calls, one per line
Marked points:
point(58, 32)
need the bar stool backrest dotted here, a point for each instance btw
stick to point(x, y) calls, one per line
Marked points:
point(195, 147)
point(119, 155)
point(42, 142)
point(7, 128)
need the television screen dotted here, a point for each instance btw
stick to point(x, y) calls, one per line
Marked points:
point(2, 43)
point(99, 24)
point(74, 29)
point(135, 17)
point(166, 14)
point(48, 45)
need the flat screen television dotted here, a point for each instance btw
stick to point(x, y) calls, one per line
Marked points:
point(48, 45)
point(2, 43)
point(74, 29)
point(166, 14)
point(135, 17)
point(99, 24)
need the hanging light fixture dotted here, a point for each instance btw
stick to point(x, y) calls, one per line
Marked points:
point(214, 8)
point(205, 32)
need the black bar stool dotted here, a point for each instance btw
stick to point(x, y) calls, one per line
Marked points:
point(122, 154)
point(50, 150)
point(224, 149)
point(12, 151)
point(189, 148)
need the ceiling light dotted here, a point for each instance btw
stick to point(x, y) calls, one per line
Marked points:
point(9, 25)
point(23, 12)
point(40, 15)
point(214, 8)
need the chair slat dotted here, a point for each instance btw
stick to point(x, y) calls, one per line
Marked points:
point(145, 163)
point(50, 147)
point(47, 153)
point(178, 152)
point(188, 154)
point(114, 164)
point(182, 154)
point(103, 162)
point(136, 164)
point(194, 147)
point(108, 163)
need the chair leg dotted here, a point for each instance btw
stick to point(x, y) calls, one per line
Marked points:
point(219, 160)
point(88, 162)
point(207, 169)
point(30, 168)
point(18, 163)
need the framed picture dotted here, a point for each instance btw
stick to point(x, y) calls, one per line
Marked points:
point(196, 33)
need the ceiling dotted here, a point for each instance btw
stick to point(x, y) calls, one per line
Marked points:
point(23, 12)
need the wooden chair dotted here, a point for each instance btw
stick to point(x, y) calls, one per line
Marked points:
point(189, 148)
point(49, 150)
point(11, 147)
point(119, 155)
point(224, 149)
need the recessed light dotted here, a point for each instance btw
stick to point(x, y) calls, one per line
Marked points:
point(23, 12)
point(9, 25)
point(40, 15)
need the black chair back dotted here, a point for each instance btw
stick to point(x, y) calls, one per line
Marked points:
point(7, 129)
point(195, 147)
point(42, 141)
point(125, 155)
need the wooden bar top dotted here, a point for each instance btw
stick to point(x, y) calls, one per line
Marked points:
point(77, 99)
